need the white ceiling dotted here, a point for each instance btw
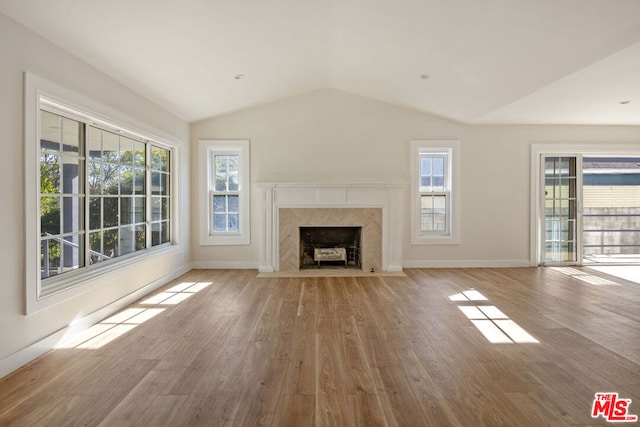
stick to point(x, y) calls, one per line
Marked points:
point(489, 61)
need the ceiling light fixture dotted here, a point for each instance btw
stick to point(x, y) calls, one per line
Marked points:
point(239, 76)
point(625, 102)
point(424, 76)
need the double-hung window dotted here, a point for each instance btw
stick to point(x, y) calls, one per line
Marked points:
point(224, 178)
point(434, 185)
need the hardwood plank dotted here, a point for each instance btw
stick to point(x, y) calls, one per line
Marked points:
point(224, 347)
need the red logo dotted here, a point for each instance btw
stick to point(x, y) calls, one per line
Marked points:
point(611, 408)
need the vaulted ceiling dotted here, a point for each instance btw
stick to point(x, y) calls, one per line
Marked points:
point(489, 61)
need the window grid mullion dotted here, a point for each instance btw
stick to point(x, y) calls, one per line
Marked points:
point(87, 197)
point(148, 196)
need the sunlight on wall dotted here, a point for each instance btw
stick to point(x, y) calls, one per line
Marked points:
point(496, 326)
point(121, 323)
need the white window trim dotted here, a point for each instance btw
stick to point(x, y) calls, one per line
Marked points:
point(76, 283)
point(206, 148)
point(453, 236)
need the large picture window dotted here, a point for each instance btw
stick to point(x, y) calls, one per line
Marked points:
point(104, 194)
point(435, 188)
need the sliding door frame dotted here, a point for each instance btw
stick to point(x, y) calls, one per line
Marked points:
point(538, 151)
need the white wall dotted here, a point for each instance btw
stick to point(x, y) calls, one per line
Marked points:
point(332, 136)
point(21, 50)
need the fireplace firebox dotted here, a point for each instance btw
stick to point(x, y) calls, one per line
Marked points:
point(330, 247)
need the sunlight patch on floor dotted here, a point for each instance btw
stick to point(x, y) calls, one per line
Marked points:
point(126, 320)
point(584, 276)
point(625, 272)
point(492, 323)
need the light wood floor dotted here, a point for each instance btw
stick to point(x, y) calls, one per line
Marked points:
point(368, 351)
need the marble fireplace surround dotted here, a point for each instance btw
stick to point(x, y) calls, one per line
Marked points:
point(285, 207)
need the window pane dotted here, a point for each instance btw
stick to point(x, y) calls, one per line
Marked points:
point(127, 211)
point(226, 172)
point(160, 233)
point(159, 159)
point(219, 222)
point(72, 134)
point(126, 152)
point(164, 208)
point(141, 237)
point(139, 209)
point(139, 154)
point(233, 163)
point(111, 176)
point(110, 205)
point(233, 222)
point(438, 165)
point(165, 236)
point(139, 180)
point(50, 257)
point(433, 213)
point(159, 183)
point(425, 166)
point(127, 242)
point(219, 203)
point(73, 214)
point(49, 131)
point(110, 243)
point(126, 180)
point(233, 203)
point(221, 183)
point(220, 164)
point(156, 209)
point(110, 148)
point(49, 174)
point(50, 215)
point(73, 247)
point(95, 248)
point(95, 213)
point(94, 143)
point(233, 182)
point(233, 173)
point(71, 182)
point(95, 178)
point(425, 181)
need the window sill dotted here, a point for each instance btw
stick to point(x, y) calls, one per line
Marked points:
point(221, 240)
point(72, 284)
point(435, 240)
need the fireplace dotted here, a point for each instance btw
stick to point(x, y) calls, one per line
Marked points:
point(286, 207)
point(330, 247)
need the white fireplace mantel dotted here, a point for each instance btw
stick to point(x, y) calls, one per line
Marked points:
point(388, 197)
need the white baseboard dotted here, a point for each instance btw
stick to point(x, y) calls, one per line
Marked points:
point(22, 357)
point(506, 263)
point(225, 265)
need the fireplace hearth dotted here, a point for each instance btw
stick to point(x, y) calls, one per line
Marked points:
point(330, 247)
